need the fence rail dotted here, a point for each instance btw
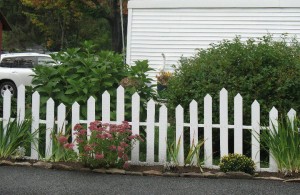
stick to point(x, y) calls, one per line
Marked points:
point(150, 124)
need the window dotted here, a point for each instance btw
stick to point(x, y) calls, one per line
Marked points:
point(18, 62)
point(42, 60)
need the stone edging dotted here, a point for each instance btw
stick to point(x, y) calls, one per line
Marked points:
point(218, 175)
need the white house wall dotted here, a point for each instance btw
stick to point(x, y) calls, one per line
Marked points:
point(178, 29)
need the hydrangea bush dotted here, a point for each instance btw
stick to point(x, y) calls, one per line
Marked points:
point(107, 146)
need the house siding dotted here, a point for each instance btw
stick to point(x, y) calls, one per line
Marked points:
point(179, 32)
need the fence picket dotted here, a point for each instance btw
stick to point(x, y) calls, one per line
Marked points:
point(6, 109)
point(255, 123)
point(120, 104)
point(135, 114)
point(106, 107)
point(194, 127)
point(223, 122)
point(49, 127)
point(150, 131)
point(273, 124)
point(292, 115)
point(180, 134)
point(91, 105)
point(238, 124)
point(163, 129)
point(208, 152)
point(35, 124)
point(21, 104)
point(61, 117)
point(75, 120)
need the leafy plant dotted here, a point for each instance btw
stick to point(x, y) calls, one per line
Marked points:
point(62, 150)
point(17, 134)
point(85, 72)
point(264, 69)
point(107, 146)
point(237, 162)
point(193, 154)
point(284, 144)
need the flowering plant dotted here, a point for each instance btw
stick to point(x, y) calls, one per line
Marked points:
point(163, 77)
point(62, 150)
point(107, 146)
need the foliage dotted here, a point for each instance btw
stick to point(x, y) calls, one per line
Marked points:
point(23, 34)
point(65, 23)
point(17, 134)
point(62, 150)
point(193, 154)
point(84, 72)
point(237, 162)
point(107, 146)
point(265, 69)
point(284, 144)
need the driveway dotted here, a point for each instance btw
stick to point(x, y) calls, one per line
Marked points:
point(30, 180)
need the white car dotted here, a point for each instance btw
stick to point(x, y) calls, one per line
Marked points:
point(16, 69)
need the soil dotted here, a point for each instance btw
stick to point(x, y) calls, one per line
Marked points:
point(137, 168)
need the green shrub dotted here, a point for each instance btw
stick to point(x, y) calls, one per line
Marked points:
point(237, 162)
point(84, 72)
point(284, 144)
point(265, 69)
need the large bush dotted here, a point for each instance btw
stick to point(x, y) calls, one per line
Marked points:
point(265, 69)
point(85, 72)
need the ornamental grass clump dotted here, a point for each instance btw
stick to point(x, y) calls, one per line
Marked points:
point(237, 162)
point(284, 144)
point(107, 146)
point(14, 135)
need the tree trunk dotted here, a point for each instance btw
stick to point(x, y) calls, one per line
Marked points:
point(116, 32)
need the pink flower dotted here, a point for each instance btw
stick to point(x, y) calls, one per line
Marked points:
point(78, 127)
point(126, 165)
point(124, 144)
point(69, 146)
point(120, 149)
point(62, 139)
point(82, 132)
point(131, 137)
point(112, 147)
point(100, 136)
point(79, 140)
point(120, 154)
point(108, 135)
point(99, 156)
point(88, 148)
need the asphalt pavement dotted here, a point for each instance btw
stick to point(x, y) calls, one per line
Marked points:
point(30, 180)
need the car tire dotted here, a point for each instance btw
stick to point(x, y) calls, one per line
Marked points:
point(8, 85)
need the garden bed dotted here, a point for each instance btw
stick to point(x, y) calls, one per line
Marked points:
point(157, 170)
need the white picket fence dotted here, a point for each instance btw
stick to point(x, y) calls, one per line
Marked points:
point(150, 124)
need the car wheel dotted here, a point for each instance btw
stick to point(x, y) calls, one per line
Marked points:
point(8, 85)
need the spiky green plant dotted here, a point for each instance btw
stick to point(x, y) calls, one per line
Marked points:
point(284, 144)
point(194, 153)
point(17, 134)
